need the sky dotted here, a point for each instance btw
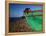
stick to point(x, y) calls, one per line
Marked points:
point(16, 10)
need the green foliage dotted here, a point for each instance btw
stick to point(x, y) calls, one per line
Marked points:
point(35, 22)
